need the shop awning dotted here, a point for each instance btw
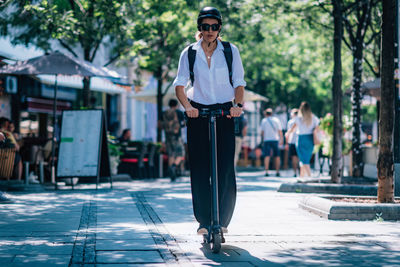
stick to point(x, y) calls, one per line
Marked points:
point(41, 105)
point(96, 83)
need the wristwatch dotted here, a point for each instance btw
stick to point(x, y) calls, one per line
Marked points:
point(235, 105)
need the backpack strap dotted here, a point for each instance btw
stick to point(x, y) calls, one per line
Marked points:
point(192, 58)
point(229, 58)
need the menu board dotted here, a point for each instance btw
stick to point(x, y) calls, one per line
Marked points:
point(80, 140)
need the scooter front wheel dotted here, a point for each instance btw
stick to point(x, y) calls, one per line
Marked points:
point(216, 242)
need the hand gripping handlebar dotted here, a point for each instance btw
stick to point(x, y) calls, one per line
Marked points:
point(207, 113)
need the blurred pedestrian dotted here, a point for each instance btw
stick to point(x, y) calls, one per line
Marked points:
point(173, 121)
point(271, 133)
point(11, 129)
point(218, 83)
point(305, 125)
point(239, 135)
point(291, 140)
point(125, 136)
point(4, 126)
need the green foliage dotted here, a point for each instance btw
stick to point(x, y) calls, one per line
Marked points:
point(77, 25)
point(161, 30)
point(285, 59)
point(286, 46)
point(369, 113)
point(378, 217)
point(114, 148)
point(326, 125)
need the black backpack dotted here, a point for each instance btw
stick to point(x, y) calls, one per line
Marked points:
point(227, 54)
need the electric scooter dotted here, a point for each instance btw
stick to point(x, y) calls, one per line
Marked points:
point(215, 235)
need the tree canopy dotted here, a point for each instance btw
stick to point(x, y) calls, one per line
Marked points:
point(286, 47)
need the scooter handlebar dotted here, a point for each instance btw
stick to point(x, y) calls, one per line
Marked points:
point(206, 113)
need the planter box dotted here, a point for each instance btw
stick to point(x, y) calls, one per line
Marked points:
point(370, 155)
point(333, 210)
point(370, 158)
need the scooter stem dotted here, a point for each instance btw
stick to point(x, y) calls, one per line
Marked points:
point(214, 173)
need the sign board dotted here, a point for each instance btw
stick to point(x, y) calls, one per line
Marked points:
point(83, 145)
point(11, 85)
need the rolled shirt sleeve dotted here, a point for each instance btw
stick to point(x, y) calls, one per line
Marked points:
point(237, 68)
point(183, 75)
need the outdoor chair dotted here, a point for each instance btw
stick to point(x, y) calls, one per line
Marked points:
point(7, 157)
point(133, 160)
point(321, 160)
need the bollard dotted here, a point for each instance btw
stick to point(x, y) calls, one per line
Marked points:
point(160, 166)
point(53, 175)
point(41, 172)
point(26, 165)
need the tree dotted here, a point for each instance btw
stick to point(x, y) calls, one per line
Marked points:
point(281, 58)
point(161, 31)
point(357, 21)
point(385, 163)
point(81, 27)
point(337, 166)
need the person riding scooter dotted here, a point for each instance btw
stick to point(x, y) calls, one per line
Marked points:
point(216, 72)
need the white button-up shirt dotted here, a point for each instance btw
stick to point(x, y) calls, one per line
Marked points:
point(211, 85)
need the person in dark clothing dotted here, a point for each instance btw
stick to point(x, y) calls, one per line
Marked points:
point(214, 87)
point(173, 121)
point(125, 136)
point(242, 124)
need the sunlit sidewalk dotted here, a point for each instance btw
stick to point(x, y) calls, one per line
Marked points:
point(150, 223)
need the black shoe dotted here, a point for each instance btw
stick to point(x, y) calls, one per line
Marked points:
point(266, 174)
point(278, 174)
point(172, 172)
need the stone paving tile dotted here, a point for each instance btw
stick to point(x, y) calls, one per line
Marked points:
point(6, 259)
point(10, 249)
point(127, 244)
point(48, 248)
point(15, 234)
point(132, 256)
point(55, 236)
point(224, 264)
point(133, 265)
point(41, 260)
point(267, 229)
point(118, 235)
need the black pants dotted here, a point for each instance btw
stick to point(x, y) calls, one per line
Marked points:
point(200, 169)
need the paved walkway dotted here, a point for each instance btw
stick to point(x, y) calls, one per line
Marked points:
point(150, 223)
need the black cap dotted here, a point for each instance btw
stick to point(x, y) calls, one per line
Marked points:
point(209, 12)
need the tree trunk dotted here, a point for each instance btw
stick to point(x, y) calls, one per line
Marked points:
point(86, 95)
point(337, 166)
point(385, 158)
point(158, 75)
point(86, 82)
point(356, 109)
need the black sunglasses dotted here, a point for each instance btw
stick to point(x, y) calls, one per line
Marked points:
point(206, 27)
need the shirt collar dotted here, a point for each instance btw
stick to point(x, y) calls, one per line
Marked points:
point(198, 45)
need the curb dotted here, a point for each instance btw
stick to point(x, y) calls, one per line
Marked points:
point(333, 210)
point(354, 190)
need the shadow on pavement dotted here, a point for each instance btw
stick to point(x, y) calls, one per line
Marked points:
point(369, 253)
point(233, 256)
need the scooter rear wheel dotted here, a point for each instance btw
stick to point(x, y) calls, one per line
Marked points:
point(216, 243)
